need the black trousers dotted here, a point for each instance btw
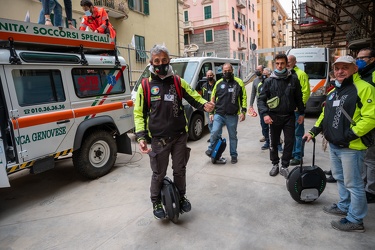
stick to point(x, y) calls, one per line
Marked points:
point(159, 160)
point(286, 124)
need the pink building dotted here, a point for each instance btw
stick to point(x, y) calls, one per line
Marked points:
point(225, 28)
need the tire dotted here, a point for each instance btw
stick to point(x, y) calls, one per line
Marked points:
point(196, 126)
point(97, 154)
point(171, 200)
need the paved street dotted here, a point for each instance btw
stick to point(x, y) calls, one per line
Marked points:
point(233, 206)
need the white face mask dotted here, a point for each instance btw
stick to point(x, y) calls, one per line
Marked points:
point(337, 84)
point(87, 13)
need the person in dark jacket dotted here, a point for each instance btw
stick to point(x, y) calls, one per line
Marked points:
point(164, 121)
point(348, 115)
point(280, 97)
point(366, 69)
point(207, 88)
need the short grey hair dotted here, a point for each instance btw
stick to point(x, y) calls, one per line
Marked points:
point(158, 48)
point(268, 70)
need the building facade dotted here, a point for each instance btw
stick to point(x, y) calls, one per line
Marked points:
point(221, 28)
point(139, 24)
point(273, 30)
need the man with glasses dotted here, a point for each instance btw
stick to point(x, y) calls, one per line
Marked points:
point(366, 69)
point(229, 96)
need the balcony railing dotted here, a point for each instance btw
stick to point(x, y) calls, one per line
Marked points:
point(114, 8)
point(188, 26)
point(241, 4)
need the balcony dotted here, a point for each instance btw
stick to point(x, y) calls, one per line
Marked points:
point(241, 4)
point(273, 8)
point(115, 8)
point(273, 22)
point(188, 26)
point(242, 45)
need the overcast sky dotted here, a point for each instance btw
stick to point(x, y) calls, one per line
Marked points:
point(287, 6)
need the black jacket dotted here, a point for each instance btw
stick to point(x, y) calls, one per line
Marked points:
point(367, 74)
point(287, 89)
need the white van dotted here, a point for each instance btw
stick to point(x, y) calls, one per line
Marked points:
point(193, 70)
point(55, 103)
point(316, 63)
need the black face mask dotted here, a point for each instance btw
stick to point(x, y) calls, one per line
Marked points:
point(258, 73)
point(161, 69)
point(210, 79)
point(228, 76)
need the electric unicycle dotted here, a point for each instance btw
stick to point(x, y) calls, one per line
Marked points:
point(170, 198)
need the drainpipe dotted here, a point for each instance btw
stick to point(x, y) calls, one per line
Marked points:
point(178, 28)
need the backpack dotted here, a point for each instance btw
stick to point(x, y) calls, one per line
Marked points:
point(147, 90)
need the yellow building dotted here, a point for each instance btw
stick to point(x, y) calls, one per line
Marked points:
point(272, 30)
point(149, 22)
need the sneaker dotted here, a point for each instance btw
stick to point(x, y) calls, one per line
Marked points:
point(280, 148)
point(158, 210)
point(370, 197)
point(263, 139)
point(208, 152)
point(274, 170)
point(330, 179)
point(294, 162)
point(334, 210)
point(222, 160)
point(284, 171)
point(185, 205)
point(234, 160)
point(265, 146)
point(347, 226)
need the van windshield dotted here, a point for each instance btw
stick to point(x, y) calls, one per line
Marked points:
point(315, 70)
point(185, 70)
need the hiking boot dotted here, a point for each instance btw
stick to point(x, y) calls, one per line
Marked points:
point(158, 210)
point(265, 146)
point(370, 197)
point(284, 171)
point(208, 152)
point(280, 148)
point(334, 210)
point(328, 172)
point(234, 160)
point(294, 162)
point(274, 170)
point(263, 139)
point(347, 226)
point(185, 205)
point(330, 179)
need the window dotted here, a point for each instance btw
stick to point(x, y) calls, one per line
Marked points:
point(209, 36)
point(234, 36)
point(239, 38)
point(239, 17)
point(140, 6)
point(234, 54)
point(186, 16)
point(249, 23)
point(38, 86)
point(252, 8)
point(141, 54)
point(233, 13)
point(186, 39)
point(94, 82)
point(207, 12)
point(253, 25)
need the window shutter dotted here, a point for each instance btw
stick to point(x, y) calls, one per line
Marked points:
point(131, 4)
point(146, 9)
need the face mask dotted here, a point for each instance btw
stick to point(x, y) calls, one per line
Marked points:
point(87, 13)
point(361, 64)
point(161, 69)
point(337, 84)
point(228, 75)
point(258, 73)
point(280, 71)
point(210, 79)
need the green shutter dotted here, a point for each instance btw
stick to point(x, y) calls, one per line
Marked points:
point(146, 8)
point(232, 13)
point(131, 4)
point(207, 12)
point(209, 37)
point(186, 15)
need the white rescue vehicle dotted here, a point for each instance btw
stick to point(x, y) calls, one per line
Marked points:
point(62, 91)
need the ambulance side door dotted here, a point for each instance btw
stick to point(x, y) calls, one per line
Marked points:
point(41, 110)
